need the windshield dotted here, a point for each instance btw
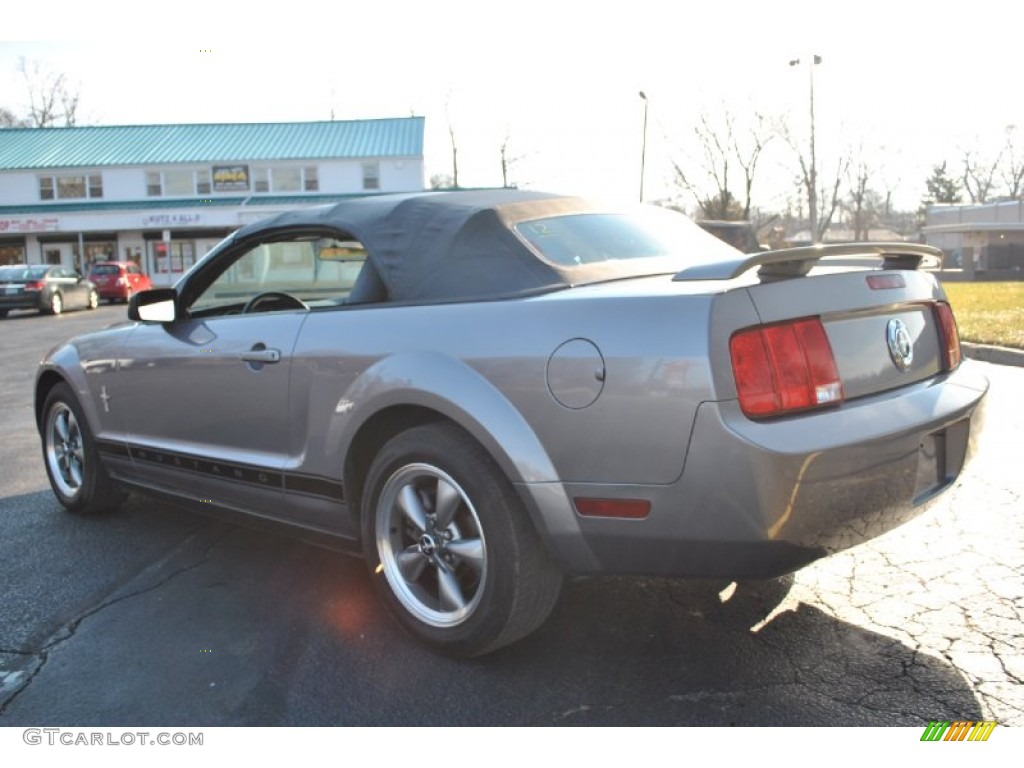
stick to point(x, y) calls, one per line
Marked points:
point(106, 269)
point(588, 238)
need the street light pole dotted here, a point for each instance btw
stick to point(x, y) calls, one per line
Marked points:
point(643, 147)
point(812, 191)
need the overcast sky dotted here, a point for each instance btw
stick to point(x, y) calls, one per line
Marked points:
point(907, 82)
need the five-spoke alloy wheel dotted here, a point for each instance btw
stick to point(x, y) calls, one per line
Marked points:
point(76, 475)
point(65, 450)
point(431, 545)
point(453, 552)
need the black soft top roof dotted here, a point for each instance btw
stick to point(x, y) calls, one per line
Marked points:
point(438, 246)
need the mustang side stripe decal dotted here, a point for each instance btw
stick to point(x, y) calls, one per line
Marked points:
point(309, 485)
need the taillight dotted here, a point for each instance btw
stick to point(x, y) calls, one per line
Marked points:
point(950, 337)
point(784, 368)
point(35, 285)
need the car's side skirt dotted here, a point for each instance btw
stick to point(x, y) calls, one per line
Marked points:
point(301, 499)
point(311, 534)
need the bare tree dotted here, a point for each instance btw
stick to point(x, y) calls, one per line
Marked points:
point(720, 148)
point(455, 149)
point(1013, 166)
point(979, 175)
point(508, 162)
point(440, 181)
point(10, 120)
point(822, 201)
point(51, 100)
point(860, 218)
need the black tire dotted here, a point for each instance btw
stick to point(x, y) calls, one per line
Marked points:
point(78, 478)
point(3, 313)
point(467, 586)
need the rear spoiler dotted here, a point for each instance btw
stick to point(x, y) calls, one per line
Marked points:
point(797, 262)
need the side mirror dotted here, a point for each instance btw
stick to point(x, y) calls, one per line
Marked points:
point(159, 305)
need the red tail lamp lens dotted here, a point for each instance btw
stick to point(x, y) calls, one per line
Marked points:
point(784, 368)
point(950, 335)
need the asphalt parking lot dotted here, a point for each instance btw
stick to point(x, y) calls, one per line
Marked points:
point(155, 616)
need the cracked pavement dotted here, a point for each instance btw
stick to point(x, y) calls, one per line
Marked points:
point(155, 616)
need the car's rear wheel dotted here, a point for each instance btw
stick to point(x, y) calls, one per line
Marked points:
point(56, 304)
point(76, 475)
point(454, 554)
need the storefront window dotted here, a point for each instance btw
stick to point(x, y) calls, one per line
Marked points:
point(179, 257)
point(260, 180)
point(12, 254)
point(371, 176)
point(70, 187)
point(178, 183)
point(287, 179)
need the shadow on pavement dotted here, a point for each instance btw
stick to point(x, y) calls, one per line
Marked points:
point(237, 627)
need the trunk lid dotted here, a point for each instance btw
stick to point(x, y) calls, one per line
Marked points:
point(881, 338)
point(882, 316)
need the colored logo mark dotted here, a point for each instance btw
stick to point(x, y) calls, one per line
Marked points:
point(959, 730)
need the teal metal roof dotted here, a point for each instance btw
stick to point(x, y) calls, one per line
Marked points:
point(191, 204)
point(115, 145)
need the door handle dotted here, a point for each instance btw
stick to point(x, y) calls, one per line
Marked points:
point(260, 354)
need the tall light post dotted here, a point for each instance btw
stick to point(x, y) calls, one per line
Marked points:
point(643, 147)
point(812, 187)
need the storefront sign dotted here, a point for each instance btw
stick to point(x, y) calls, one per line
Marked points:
point(171, 219)
point(21, 226)
point(230, 178)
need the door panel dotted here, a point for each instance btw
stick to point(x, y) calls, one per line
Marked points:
point(206, 403)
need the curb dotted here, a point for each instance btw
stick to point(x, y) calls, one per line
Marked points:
point(990, 354)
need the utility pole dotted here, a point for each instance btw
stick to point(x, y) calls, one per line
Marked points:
point(643, 147)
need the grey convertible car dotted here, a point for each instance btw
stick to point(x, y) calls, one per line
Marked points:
point(485, 391)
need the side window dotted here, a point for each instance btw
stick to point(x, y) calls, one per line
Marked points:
point(283, 275)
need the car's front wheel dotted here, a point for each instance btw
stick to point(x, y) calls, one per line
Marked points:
point(76, 475)
point(454, 554)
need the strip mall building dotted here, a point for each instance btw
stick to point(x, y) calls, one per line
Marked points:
point(163, 195)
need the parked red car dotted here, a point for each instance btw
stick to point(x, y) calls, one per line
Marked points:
point(118, 280)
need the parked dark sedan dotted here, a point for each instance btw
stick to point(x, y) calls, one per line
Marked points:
point(49, 289)
point(485, 391)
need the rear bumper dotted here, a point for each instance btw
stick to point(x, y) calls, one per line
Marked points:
point(113, 291)
point(764, 499)
point(25, 301)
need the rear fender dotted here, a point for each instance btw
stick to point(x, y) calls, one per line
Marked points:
point(459, 393)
